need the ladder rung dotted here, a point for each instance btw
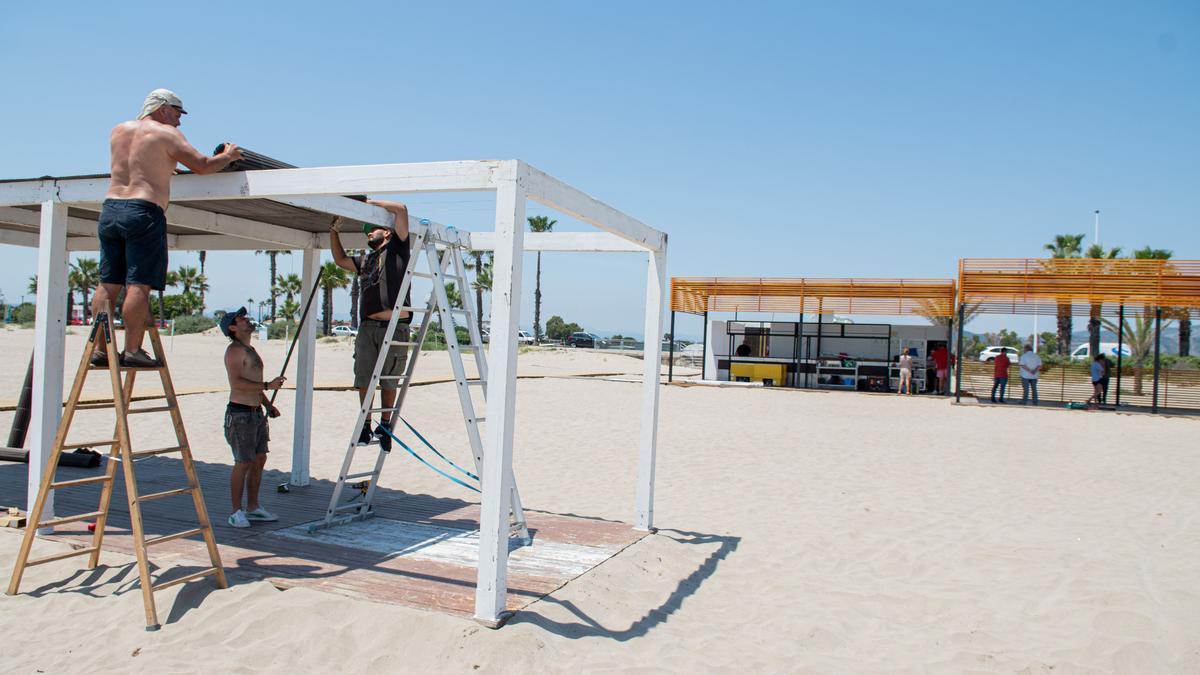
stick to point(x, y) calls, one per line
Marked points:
point(477, 420)
point(161, 408)
point(358, 475)
point(160, 451)
point(69, 519)
point(94, 406)
point(60, 556)
point(375, 410)
point(391, 377)
point(476, 382)
point(80, 481)
point(185, 578)
point(127, 369)
point(402, 343)
point(174, 536)
point(351, 505)
point(159, 495)
point(413, 309)
point(76, 446)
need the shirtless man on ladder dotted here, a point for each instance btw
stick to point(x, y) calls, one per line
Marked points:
point(133, 223)
point(380, 273)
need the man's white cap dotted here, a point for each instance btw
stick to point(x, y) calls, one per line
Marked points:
point(157, 99)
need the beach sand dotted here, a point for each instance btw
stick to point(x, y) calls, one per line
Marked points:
point(800, 532)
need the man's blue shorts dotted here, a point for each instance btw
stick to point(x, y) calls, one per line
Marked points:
point(133, 243)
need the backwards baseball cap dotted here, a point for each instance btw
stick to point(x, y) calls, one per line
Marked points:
point(228, 319)
point(157, 99)
point(369, 227)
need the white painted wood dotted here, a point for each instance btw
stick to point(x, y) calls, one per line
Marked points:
point(306, 351)
point(656, 291)
point(49, 340)
point(19, 238)
point(579, 242)
point(75, 226)
point(215, 242)
point(501, 400)
point(218, 223)
point(343, 206)
point(550, 191)
point(28, 192)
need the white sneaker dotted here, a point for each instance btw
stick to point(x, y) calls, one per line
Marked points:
point(238, 519)
point(262, 515)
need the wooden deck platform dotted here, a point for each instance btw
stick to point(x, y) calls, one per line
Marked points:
point(419, 550)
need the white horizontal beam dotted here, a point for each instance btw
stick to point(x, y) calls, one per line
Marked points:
point(10, 214)
point(581, 242)
point(218, 223)
point(216, 242)
point(548, 190)
point(19, 238)
point(344, 207)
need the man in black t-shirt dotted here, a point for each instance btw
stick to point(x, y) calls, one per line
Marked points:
point(380, 274)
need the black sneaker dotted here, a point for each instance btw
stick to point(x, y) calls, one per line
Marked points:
point(384, 433)
point(100, 358)
point(364, 436)
point(139, 359)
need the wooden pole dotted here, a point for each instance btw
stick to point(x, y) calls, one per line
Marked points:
point(306, 338)
point(958, 364)
point(670, 351)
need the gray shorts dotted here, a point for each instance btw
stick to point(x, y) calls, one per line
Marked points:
point(247, 434)
point(366, 351)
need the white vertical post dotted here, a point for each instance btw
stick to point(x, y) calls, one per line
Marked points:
point(501, 400)
point(306, 341)
point(50, 338)
point(656, 281)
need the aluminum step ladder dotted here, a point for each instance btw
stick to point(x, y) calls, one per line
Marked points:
point(442, 250)
point(121, 451)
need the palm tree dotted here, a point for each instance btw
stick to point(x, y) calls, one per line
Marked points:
point(291, 286)
point(288, 310)
point(189, 278)
point(331, 277)
point(482, 282)
point(274, 292)
point(1065, 246)
point(1180, 314)
point(172, 280)
point(73, 282)
point(1138, 333)
point(539, 224)
point(933, 313)
point(203, 255)
point(1097, 252)
point(32, 288)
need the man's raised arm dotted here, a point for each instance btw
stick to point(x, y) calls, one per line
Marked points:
point(335, 247)
point(185, 154)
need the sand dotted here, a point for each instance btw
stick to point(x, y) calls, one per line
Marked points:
point(801, 532)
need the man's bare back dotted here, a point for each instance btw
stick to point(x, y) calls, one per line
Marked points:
point(146, 150)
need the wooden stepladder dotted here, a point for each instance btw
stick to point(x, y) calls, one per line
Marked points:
point(121, 450)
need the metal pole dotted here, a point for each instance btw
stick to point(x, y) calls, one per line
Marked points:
point(670, 351)
point(704, 351)
point(20, 424)
point(1157, 363)
point(1120, 349)
point(292, 346)
point(959, 362)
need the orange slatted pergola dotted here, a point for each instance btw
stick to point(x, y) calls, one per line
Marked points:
point(1085, 287)
point(918, 297)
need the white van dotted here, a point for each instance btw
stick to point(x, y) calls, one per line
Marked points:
point(1084, 351)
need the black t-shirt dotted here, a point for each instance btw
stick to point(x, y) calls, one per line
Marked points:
point(380, 273)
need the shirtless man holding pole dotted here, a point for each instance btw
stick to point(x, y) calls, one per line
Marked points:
point(133, 224)
point(245, 424)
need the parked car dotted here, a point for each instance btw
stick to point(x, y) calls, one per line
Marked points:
point(585, 340)
point(988, 355)
point(1084, 352)
point(524, 337)
point(344, 330)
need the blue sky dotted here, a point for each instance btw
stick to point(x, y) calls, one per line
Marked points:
point(789, 139)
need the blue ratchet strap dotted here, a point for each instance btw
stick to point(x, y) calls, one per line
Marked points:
point(435, 450)
point(422, 460)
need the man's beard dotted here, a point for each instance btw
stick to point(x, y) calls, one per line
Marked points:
point(374, 244)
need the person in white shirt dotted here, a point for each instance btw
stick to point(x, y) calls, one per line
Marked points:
point(1031, 366)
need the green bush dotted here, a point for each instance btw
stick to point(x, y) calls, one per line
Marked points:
point(25, 314)
point(1176, 362)
point(193, 324)
point(280, 330)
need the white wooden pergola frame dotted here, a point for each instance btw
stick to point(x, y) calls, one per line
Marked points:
point(323, 190)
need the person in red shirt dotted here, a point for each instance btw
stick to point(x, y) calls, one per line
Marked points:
point(1000, 376)
point(941, 362)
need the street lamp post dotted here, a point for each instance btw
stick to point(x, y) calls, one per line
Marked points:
point(1097, 237)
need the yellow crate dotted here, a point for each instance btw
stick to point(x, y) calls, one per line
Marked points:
point(758, 372)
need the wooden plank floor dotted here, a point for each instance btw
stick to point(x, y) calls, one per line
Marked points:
point(418, 551)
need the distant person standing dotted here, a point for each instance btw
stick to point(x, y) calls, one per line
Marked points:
point(1000, 376)
point(1097, 372)
point(1108, 368)
point(941, 365)
point(906, 366)
point(1031, 368)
